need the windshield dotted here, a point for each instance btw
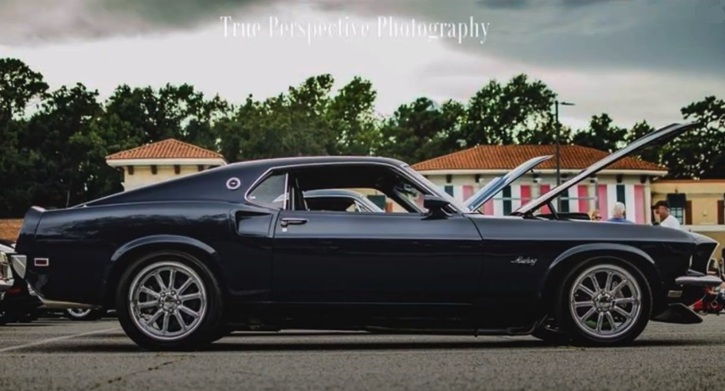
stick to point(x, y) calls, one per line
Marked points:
point(458, 205)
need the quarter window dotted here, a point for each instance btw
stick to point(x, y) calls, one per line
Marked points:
point(268, 192)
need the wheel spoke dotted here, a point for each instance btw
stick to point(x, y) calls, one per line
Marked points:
point(594, 281)
point(172, 278)
point(626, 300)
point(586, 290)
point(608, 283)
point(188, 311)
point(149, 292)
point(184, 286)
point(154, 318)
point(580, 304)
point(148, 304)
point(600, 322)
point(610, 320)
point(165, 326)
point(160, 281)
point(191, 296)
point(587, 315)
point(180, 320)
point(622, 312)
point(617, 288)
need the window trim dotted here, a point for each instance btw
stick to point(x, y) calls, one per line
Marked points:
point(269, 171)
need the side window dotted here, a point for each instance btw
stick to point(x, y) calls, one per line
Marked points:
point(271, 192)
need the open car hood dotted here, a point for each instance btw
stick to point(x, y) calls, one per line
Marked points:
point(659, 135)
point(497, 184)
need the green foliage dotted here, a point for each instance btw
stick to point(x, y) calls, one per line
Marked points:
point(55, 142)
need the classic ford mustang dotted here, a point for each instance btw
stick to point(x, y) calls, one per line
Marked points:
point(187, 261)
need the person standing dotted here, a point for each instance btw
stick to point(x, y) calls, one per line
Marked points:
point(662, 209)
point(618, 214)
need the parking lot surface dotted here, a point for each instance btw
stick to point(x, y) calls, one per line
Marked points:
point(54, 354)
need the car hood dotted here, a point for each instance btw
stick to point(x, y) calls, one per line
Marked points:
point(497, 184)
point(659, 135)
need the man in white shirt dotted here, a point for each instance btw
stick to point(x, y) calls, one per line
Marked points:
point(662, 208)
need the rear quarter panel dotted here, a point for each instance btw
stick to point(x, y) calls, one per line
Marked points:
point(84, 245)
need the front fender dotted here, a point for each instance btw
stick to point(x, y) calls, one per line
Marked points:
point(642, 260)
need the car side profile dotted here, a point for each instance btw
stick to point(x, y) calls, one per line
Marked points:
point(185, 262)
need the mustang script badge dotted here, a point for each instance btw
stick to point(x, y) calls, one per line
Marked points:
point(525, 261)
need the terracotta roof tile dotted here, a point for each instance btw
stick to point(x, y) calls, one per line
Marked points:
point(507, 157)
point(10, 228)
point(166, 149)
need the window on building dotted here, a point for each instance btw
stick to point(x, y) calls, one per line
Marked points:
point(721, 211)
point(678, 207)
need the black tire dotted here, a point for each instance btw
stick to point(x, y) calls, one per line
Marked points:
point(203, 330)
point(83, 315)
point(634, 297)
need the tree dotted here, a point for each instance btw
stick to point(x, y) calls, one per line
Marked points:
point(700, 153)
point(601, 134)
point(506, 114)
point(62, 161)
point(19, 86)
point(422, 130)
point(351, 115)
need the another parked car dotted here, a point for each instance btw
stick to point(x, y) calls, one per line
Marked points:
point(339, 200)
point(18, 303)
point(185, 261)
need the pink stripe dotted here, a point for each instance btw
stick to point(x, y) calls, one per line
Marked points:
point(525, 194)
point(488, 208)
point(602, 201)
point(467, 192)
point(583, 193)
point(639, 204)
point(543, 189)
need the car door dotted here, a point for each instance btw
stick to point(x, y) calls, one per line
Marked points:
point(343, 257)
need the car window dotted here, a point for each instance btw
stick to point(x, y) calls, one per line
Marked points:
point(267, 193)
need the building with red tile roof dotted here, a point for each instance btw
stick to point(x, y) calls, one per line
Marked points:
point(162, 160)
point(462, 173)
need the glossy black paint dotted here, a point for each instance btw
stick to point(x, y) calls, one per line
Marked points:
point(338, 269)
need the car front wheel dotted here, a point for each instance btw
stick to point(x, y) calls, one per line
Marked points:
point(604, 302)
point(169, 301)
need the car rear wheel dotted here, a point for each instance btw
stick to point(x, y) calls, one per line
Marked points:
point(604, 302)
point(169, 301)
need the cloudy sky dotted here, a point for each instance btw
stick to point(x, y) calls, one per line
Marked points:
point(634, 59)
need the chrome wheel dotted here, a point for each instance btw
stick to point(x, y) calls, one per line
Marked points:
point(78, 312)
point(167, 301)
point(605, 301)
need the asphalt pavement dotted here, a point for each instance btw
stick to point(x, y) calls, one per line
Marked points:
point(54, 354)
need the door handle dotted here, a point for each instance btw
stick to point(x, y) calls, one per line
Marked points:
point(292, 221)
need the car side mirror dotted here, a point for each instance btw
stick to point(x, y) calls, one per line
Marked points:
point(435, 205)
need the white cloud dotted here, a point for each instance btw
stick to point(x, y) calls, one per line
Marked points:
point(401, 69)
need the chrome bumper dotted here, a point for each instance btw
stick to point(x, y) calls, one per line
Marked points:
point(700, 281)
